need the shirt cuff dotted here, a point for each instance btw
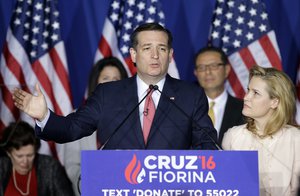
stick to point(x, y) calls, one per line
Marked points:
point(43, 123)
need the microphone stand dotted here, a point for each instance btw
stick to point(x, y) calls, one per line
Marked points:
point(155, 87)
point(151, 87)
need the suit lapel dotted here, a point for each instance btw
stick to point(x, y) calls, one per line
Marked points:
point(164, 105)
point(130, 102)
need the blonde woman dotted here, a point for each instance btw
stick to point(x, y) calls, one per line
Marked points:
point(269, 107)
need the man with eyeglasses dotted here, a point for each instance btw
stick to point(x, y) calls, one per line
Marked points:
point(211, 70)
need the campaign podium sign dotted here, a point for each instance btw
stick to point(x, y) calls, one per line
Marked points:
point(169, 173)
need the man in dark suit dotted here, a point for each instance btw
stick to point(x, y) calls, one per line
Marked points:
point(180, 121)
point(212, 69)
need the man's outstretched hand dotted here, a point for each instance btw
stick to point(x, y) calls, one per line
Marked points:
point(34, 106)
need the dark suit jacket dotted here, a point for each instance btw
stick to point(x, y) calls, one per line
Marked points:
point(185, 127)
point(232, 115)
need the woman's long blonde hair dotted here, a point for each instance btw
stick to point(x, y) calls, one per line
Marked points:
point(279, 86)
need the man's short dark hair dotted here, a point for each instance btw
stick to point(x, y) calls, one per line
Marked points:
point(213, 49)
point(154, 26)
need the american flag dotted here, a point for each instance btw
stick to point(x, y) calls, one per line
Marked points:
point(241, 28)
point(34, 53)
point(122, 18)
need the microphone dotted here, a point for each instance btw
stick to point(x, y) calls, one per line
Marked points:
point(152, 88)
point(187, 116)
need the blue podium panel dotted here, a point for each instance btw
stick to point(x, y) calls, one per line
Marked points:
point(169, 173)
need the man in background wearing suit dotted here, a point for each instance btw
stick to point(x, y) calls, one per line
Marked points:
point(212, 69)
point(120, 109)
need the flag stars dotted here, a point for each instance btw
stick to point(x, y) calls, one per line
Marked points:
point(26, 37)
point(124, 49)
point(236, 43)
point(254, 1)
point(115, 5)
point(45, 46)
point(46, 22)
point(252, 12)
point(28, 13)
point(37, 18)
point(127, 25)
point(242, 8)
point(161, 15)
point(126, 37)
point(264, 16)
point(225, 50)
point(33, 54)
point(238, 32)
point(54, 37)
point(215, 35)
point(27, 25)
point(38, 6)
point(262, 28)
point(227, 27)
point(139, 17)
point(229, 15)
point(225, 39)
point(114, 17)
point(149, 20)
point(219, 11)
point(230, 4)
point(35, 30)
point(141, 6)
point(152, 10)
point(18, 10)
point(34, 42)
point(129, 13)
point(17, 21)
point(251, 24)
point(47, 9)
point(240, 20)
point(45, 34)
point(55, 25)
point(56, 13)
point(249, 36)
point(217, 23)
point(131, 2)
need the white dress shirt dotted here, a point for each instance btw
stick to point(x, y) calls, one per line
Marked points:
point(219, 109)
point(142, 88)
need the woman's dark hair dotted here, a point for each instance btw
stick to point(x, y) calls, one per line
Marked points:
point(99, 66)
point(17, 135)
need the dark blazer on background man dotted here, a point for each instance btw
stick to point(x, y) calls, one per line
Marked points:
point(232, 115)
point(112, 102)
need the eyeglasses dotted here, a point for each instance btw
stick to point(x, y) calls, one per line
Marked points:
point(212, 66)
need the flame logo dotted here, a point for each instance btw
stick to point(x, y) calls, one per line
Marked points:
point(134, 174)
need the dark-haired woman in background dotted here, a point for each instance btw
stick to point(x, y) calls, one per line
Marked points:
point(25, 172)
point(105, 70)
